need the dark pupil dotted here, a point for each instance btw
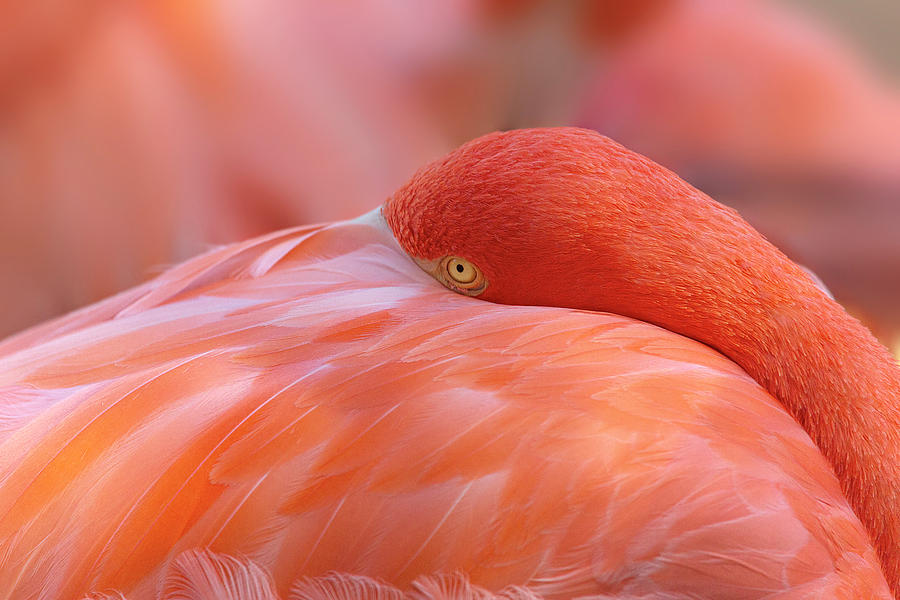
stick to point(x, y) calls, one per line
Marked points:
point(459, 268)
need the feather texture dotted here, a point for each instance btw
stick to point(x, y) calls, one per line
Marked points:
point(198, 575)
point(312, 402)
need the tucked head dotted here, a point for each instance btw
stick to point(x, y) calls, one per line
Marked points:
point(567, 217)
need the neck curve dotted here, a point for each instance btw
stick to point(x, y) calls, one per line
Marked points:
point(703, 272)
point(843, 387)
point(759, 309)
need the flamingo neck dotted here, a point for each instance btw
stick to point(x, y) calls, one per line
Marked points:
point(722, 284)
point(839, 383)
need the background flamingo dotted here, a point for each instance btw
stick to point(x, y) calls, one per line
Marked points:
point(165, 130)
point(312, 401)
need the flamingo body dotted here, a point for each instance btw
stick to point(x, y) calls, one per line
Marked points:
point(311, 401)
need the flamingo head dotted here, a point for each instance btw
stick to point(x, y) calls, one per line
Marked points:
point(566, 217)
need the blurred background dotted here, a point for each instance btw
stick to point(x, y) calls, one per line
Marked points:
point(134, 134)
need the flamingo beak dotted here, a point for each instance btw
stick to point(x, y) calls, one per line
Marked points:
point(375, 222)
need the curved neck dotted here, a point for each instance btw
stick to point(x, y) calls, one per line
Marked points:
point(837, 381)
point(718, 281)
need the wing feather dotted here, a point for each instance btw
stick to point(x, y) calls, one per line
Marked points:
point(199, 575)
point(306, 403)
point(339, 586)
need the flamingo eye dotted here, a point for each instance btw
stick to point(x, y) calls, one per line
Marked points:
point(461, 275)
point(461, 271)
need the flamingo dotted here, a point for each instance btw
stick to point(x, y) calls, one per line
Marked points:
point(546, 367)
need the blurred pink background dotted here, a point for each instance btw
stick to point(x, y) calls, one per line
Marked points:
point(136, 134)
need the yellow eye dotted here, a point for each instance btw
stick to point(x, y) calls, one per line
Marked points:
point(461, 271)
point(461, 275)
